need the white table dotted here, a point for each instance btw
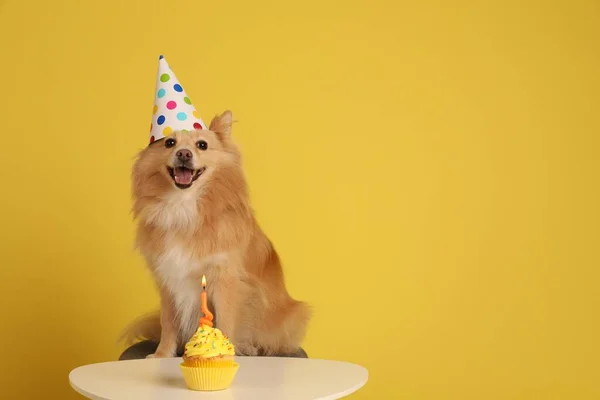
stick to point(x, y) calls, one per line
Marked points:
point(260, 378)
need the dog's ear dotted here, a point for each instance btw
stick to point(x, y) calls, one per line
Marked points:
point(221, 124)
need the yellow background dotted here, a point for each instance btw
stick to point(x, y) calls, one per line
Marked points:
point(427, 170)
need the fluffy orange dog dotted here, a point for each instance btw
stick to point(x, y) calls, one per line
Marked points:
point(192, 206)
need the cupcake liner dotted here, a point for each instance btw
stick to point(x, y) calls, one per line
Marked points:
point(205, 379)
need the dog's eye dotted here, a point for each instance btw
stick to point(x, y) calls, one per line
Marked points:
point(170, 143)
point(202, 145)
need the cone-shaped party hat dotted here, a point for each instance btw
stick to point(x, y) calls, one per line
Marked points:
point(173, 109)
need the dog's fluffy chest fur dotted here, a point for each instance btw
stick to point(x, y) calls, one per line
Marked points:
point(174, 211)
point(180, 265)
point(180, 273)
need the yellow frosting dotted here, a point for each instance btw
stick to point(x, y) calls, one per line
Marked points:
point(209, 342)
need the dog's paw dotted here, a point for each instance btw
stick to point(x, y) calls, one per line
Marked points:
point(246, 351)
point(158, 355)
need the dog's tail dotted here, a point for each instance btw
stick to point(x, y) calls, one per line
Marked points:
point(145, 327)
point(290, 322)
point(297, 319)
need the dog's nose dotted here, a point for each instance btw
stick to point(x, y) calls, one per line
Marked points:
point(184, 154)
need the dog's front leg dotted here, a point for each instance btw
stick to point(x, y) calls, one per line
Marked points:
point(167, 347)
point(228, 302)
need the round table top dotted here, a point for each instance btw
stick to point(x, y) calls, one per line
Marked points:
point(261, 378)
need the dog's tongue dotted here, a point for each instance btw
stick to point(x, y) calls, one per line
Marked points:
point(183, 176)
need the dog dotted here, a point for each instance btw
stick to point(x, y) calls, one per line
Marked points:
point(194, 218)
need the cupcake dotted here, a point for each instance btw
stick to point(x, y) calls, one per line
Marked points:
point(208, 362)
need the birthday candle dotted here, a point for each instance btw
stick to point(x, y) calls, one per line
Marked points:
point(208, 317)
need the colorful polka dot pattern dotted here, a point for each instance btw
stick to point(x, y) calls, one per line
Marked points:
point(173, 110)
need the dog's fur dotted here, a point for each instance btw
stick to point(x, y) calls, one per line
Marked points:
point(209, 228)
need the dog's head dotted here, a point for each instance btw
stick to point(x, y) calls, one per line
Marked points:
point(185, 161)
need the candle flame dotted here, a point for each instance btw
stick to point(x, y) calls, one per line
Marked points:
point(203, 281)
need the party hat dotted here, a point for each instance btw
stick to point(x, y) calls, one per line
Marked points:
point(173, 109)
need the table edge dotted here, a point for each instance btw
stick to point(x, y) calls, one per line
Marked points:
point(339, 395)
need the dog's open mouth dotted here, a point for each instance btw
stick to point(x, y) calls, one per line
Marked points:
point(184, 177)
